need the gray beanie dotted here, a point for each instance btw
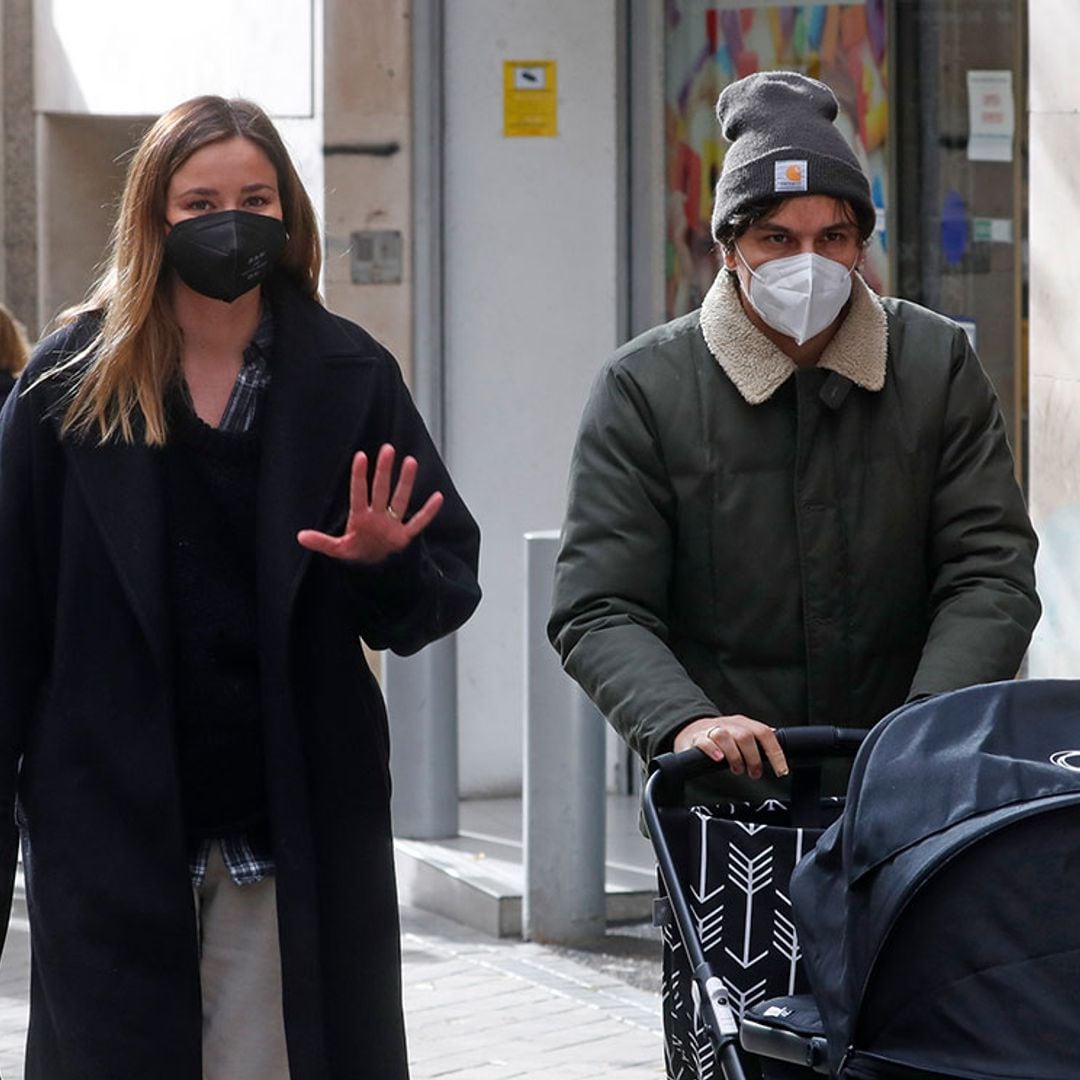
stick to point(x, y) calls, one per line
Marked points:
point(783, 143)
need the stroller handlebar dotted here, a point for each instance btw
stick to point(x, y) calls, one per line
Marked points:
point(813, 742)
point(800, 745)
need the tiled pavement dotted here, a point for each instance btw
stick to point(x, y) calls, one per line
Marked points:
point(14, 992)
point(477, 1008)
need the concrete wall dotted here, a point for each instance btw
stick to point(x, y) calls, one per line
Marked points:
point(118, 57)
point(82, 161)
point(1055, 329)
point(531, 282)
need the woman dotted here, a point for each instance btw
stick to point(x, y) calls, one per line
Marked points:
point(201, 516)
point(14, 352)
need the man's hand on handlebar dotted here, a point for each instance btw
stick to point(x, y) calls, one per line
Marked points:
point(738, 740)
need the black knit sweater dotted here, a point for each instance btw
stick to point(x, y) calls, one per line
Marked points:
point(210, 480)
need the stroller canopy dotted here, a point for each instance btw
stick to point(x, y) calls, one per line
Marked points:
point(939, 917)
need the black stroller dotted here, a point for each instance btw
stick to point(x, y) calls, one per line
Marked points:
point(938, 916)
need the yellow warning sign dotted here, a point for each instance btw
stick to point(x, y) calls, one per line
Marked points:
point(530, 101)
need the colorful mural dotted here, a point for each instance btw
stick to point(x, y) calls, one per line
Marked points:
point(709, 45)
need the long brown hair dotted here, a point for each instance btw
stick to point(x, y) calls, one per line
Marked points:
point(125, 371)
point(14, 348)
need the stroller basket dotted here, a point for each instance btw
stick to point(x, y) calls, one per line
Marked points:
point(724, 870)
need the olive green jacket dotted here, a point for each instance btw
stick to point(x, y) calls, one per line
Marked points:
point(807, 546)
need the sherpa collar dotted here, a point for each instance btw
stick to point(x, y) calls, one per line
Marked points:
point(758, 368)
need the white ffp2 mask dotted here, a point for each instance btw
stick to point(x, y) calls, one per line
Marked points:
point(799, 295)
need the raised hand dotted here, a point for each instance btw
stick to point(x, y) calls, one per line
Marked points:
point(377, 525)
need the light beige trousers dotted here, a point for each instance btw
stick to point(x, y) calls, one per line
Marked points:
point(240, 969)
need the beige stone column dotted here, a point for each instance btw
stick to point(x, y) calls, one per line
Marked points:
point(1054, 259)
point(370, 278)
point(367, 126)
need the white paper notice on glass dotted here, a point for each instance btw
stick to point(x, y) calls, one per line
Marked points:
point(992, 117)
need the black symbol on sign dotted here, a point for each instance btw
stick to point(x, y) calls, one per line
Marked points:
point(530, 78)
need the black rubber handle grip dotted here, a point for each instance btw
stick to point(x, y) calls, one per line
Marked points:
point(799, 745)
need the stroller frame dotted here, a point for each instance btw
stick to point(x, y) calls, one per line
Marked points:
point(669, 774)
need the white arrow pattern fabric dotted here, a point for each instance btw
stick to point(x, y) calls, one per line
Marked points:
point(736, 865)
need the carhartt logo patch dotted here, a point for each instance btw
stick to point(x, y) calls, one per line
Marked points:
point(789, 176)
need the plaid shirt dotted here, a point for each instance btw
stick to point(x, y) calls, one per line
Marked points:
point(247, 866)
point(239, 415)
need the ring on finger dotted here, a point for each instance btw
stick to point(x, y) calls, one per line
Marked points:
point(715, 727)
point(393, 513)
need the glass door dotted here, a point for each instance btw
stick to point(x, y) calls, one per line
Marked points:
point(961, 178)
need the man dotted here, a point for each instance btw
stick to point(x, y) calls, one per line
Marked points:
point(794, 506)
point(797, 504)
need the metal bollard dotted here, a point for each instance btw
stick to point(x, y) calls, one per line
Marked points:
point(421, 700)
point(564, 803)
point(421, 690)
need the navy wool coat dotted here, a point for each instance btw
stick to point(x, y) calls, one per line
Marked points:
point(86, 722)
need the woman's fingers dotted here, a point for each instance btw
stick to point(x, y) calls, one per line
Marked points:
point(399, 501)
point(380, 484)
point(423, 517)
point(376, 525)
point(358, 486)
point(319, 542)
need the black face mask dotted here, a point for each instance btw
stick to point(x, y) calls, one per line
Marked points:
point(226, 254)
